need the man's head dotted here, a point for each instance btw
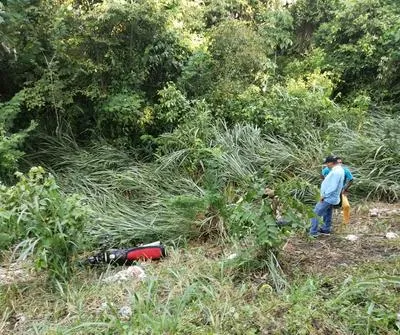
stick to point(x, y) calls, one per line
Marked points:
point(339, 160)
point(331, 161)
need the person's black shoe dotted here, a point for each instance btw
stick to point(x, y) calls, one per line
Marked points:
point(324, 232)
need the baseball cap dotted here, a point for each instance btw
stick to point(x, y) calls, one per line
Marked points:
point(330, 159)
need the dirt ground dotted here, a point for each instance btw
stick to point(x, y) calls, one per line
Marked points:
point(369, 225)
point(15, 272)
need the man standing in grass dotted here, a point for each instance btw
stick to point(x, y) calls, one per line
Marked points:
point(348, 180)
point(331, 189)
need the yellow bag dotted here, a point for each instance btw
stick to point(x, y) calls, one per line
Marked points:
point(345, 201)
point(346, 209)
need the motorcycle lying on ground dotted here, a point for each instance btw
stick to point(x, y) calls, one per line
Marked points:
point(129, 256)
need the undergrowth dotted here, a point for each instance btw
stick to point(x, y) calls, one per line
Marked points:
point(194, 292)
point(38, 220)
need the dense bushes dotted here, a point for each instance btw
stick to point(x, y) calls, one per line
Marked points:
point(120, 70)
point(359, 43)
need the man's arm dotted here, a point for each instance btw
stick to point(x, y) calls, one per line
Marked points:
point(324, 172)
point(349, 179)
point(347, 186)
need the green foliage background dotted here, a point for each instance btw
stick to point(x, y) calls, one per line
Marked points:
point(171, 116)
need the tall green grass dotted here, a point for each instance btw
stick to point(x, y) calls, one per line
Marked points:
point(130, 201)
point(193, 293)
point(374, 154)
point(166, 198)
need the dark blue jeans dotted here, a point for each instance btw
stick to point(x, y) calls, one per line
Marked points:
point(325, 210)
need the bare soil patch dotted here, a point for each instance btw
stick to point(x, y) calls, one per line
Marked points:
point(327, 253)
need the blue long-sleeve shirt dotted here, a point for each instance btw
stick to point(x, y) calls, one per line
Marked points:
point(332, 185)
point(348, 176)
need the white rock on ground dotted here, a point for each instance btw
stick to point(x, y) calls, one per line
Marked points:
point(374, 212)
point(132, 272)
point(351, 238)
point(391, 236)
point(103, 307)
point(125, 312)
point(20, 320)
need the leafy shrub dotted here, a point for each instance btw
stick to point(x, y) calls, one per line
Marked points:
point(47, 224)
point(237, 51)
point(173, 104)
point(197, 76)
point(123, 117)
point(10, 143)
point(275, 27)
point(302, 104)
point(252, 217)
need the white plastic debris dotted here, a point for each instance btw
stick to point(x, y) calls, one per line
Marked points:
point(351, 238)
point(125, 312)
point(153, 244)
point(391, 236)
point(232, 256)
point(132, 272)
